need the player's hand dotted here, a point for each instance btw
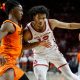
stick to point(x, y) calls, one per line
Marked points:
point(2, 60)
point(45, 44)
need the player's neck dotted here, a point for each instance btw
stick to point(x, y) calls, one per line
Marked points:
point(13, 19)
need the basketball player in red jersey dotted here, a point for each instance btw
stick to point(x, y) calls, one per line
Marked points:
point(39, 36)
point(78, 59)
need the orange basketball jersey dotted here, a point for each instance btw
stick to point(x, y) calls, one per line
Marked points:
point(11, 46)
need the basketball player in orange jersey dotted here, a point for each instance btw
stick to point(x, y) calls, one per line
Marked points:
point(39, 36)
point(11, 43)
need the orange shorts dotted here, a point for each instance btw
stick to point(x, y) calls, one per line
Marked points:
point(18, 73)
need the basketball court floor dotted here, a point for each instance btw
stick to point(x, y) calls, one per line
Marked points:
point(50, 76)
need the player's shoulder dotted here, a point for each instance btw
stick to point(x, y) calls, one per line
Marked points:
point(6, 25)
point(28, 25)
point(52, 20)
point(53, 23)
point(26, 29)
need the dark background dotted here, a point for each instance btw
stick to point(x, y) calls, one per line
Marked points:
point(64, 10)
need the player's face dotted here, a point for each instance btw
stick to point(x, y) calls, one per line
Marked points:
point(39, 20)
point(18, 12)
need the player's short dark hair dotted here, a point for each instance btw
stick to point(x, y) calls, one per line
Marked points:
point(10, 4)
point(38, 9)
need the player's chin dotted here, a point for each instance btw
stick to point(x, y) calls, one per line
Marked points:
point(20, 18)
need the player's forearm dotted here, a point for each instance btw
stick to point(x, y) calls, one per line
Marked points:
point(75, 25)
point(30, 45)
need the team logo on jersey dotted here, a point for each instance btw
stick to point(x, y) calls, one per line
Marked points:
point(45, 37)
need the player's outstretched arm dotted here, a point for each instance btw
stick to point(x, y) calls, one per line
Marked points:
point(55, 23)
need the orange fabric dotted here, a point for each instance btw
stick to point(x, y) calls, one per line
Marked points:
point(78, 56)
point(11, 49)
